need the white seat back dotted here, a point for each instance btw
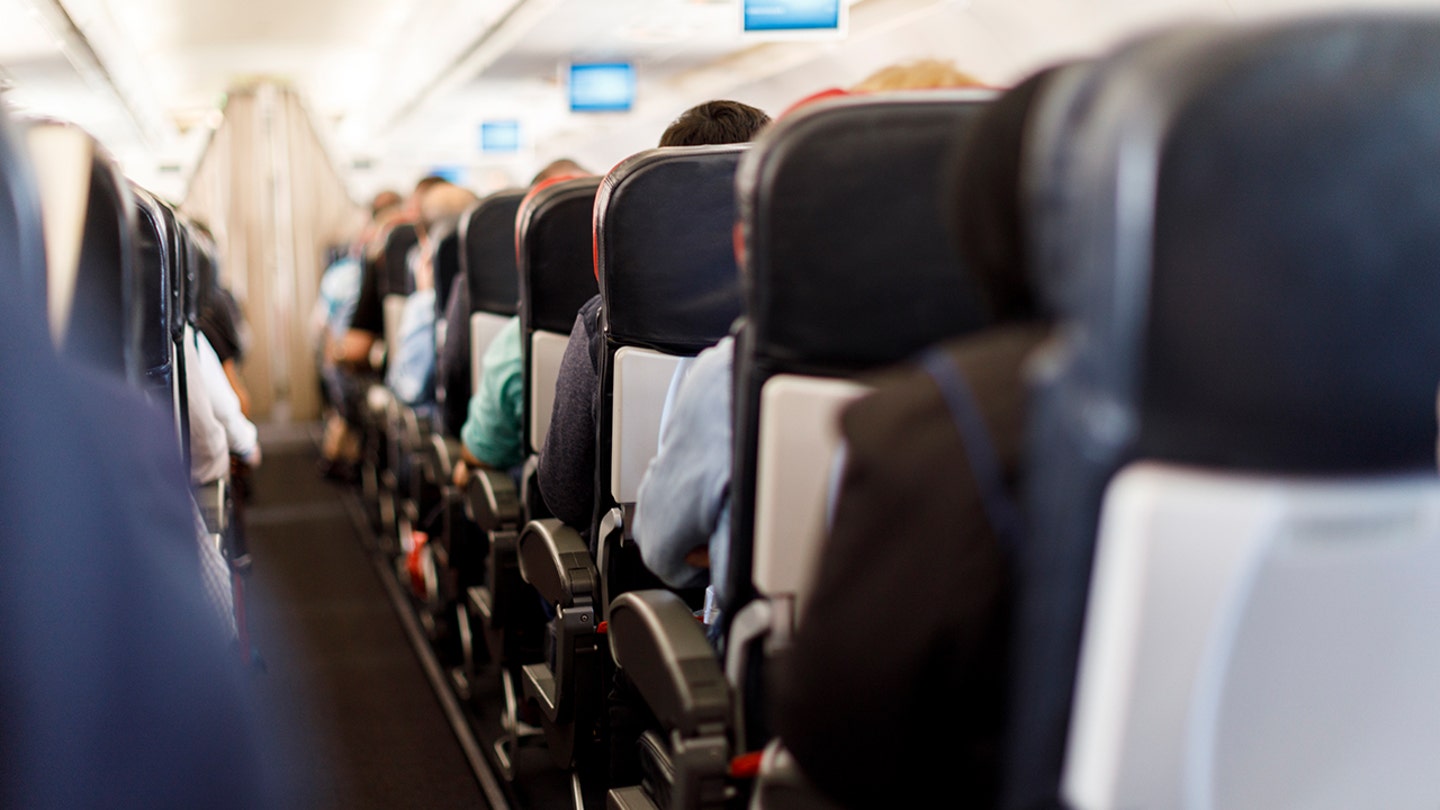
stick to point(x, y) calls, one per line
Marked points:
point(393, 309)
point(1260, 642)
point(799, 434)
point(484, 326)
point(546, 351)
point(642, 380)
point(62, 158)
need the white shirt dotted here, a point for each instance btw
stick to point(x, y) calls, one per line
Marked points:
point(240, 432)
point(209, 447)
point(216, 424)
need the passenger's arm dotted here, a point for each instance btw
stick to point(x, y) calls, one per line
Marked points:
point(463, 465)
point(687, 485)
point(366, 324)
point(353, 350)
point(240, 433)
point(232, 373)
point(491, 433)
point(412, 367)
point(567, 461)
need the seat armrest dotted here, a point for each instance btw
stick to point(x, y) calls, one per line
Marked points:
point(656, 639)
point(211, 500)
point(629, 798)
point(566, 686)
point(411, 424)
point(532, 505)
point(494, 503)
point(440, 454)
point(556, 562)
point(782, 785)
point(747, 644)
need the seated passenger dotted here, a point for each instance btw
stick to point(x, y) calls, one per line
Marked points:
point(900, 665)
point(211, 433)
point(336, 308)
point(241, 436)
point(491, 435)
point(410, 370)
point(352, 352)
point(341, 282)
point(567, 462)
point(222, 321)
point(682, 510)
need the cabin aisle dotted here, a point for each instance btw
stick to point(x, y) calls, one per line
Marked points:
point(352, 707)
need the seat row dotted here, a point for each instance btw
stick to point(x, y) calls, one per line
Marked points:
point(120, 614)
point(1217, 557)
point(122, 281)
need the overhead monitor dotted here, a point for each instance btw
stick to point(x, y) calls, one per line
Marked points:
point(601, 86)
point(500, 136)
point(455, 174)
point(794, 18)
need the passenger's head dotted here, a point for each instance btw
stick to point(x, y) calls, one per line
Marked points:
point(440, 206)
point(989, 213)
point(373, 238)
point(384, 201)
point(412, 203)
point(560, 167)
point(715, 122)
point(920, 74)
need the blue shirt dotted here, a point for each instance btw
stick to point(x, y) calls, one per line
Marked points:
point(410, 370)
point(339, 292)
point(493, 422)
point(684, 498)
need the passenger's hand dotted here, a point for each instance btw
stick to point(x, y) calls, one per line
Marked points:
point(699, 557)
point(461, 476)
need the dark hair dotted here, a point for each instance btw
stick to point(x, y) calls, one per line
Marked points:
point(715, 122)
point(988, 214)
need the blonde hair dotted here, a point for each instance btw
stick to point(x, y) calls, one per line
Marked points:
point(921, 74)
point(443, 202)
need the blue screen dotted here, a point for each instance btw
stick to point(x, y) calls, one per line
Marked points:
point(499, 136)
point(455, 174)
point(602, 87)
point(792, 15)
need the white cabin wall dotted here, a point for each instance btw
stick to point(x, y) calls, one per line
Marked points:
point(272, 197)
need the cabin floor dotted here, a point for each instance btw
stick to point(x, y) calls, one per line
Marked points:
point(348, 694)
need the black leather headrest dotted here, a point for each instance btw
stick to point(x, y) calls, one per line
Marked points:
point(21, 236)
point(1265, 299)
point(849, 263)
point(447, 265)
point(396, 278)
point(556, 254)
point(849, 260)
point(97, 333)
point(180, 273)
point(664, 223)
point(207, 269)
point(488, 233)
point(152, 289)
point(200, 275)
